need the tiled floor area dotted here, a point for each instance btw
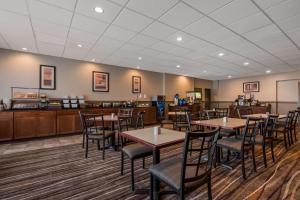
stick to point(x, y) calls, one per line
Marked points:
point(42, 143)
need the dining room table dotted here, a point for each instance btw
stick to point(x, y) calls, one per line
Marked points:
point(263, 116)
point(229, 123)
point(156, 138)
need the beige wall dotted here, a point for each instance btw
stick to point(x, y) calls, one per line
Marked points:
point(74, 77)
point(177, 84)
point(228, 90)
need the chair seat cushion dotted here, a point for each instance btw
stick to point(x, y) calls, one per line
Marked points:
point(227, 132)
point(231, 143)
point(136, 150)
point(99, 134)
point(170, 172)
point(259, 139)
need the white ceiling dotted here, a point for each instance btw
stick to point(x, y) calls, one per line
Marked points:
point(264, 33)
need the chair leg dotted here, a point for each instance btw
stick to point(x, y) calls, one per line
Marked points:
point(86, 148)
point(103, 149)
point(243, 165)
point(253, 158)
point(264, 155)
point(98, 144)
point(122, 163)
point(228, 155)
point(151, 187)
point(83, 139)
point(284, 138)
point(295, 134)
point(272, 151)
point(132, 175)
point(291, 136)
point(209, 193)
point(143, 162)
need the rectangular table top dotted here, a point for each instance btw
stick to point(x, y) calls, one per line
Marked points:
point(232, 123)
point(264, 116)
point(147, 137)
point(108, 118)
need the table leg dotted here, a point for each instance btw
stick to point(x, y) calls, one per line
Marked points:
point(156, 160)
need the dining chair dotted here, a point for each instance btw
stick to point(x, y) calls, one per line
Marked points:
point(244, 111)
point(95, 130)
point(294, 125)
point(266, 137)
point(286, 128)
point(222, 112)
point(242, 144)
point(140, 117)
point(189, 172)
point(181, 121)
point(133, 151)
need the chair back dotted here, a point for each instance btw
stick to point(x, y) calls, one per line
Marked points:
point(210, 114)
point(242, 112)
point(140, 120)
point(289, 119)
point(295, 119)
point(270, 125)
point(92, 123)
point(194, 155)
point(250, 130)
point(125, 112)
point(180, 116)
point(222, 112)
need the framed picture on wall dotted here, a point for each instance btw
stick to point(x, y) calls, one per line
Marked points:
point(100, 81)
point(47, 77)
point(251, 87)
point(136, 84)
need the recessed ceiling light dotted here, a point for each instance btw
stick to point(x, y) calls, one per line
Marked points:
point(179, 38)
point(24, 49)
point(137, 67)
point(204, 71)
point(99, 10)
point(79, 45)
point(140, 58)
point(178, 66)
point(221, 54)
point(93, 60)
point(246, 63)
point(229, 76)
point(268, 71)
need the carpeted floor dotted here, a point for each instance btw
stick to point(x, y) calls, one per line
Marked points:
point(63, 173)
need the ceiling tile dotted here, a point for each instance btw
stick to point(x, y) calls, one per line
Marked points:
point(284, 10)
point(202, 27)
point(43, 37)
point(179, 51)
point(250, 23)
point(132, 21)
point(207, 6)
point(234, 11)
point(188, 41)
point(49, 13)
point(66, 4)
point(49, 28)
point(81, 37)
point(50, 48)
point(3, 43)
point(120, 2)
point(153, 8)
point(88, 24)
point(17, 6)
point(180, 16)
point(163, 47)
point(16, 22)
point(142, 40)
point(159, 30)
point(108, 43)
point(220, 35)
point(290, 23)
point(110, 10)
point(130, 48)
point(295, 35)
point(118, 33)
point(267, 3)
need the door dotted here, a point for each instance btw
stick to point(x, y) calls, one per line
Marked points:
point(207, 96)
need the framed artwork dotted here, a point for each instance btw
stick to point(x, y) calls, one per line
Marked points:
point(251, 87)
point(100, 81)
point(136, 84)
point(47, 77)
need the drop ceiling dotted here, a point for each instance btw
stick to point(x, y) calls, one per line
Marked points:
point(254, 35)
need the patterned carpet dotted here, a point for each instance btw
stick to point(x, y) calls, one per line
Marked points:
point(64, 173)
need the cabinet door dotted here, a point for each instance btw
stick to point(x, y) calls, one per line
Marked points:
point(6, 126)
point(46, 123)
point(25, 124)
point(68, 121)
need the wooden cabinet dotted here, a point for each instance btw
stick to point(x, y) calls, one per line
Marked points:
point(150, 114)
point(29, 124)
point(68, 121)
point(6, 126)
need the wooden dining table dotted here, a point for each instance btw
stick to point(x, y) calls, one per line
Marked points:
point(176, 113)
point(147, 137)
point(231, 123)
point(263, 115)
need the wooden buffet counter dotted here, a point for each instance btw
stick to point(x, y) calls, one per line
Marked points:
point(255, 110)
point(40, 123)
